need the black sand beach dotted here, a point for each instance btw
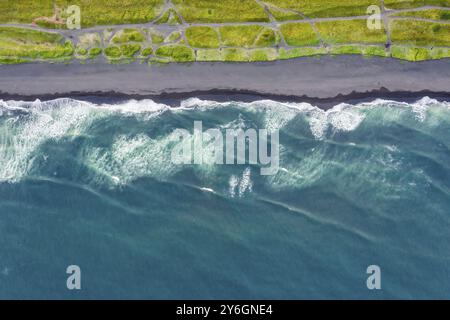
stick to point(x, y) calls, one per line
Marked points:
point(324, 80)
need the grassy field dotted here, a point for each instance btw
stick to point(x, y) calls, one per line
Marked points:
point(420, 33)
point(98, 12)
point(176, 53)
point(247, 36)
point(350, 31)
point(23, 44)
point(434, 14)
point(227, 30)
point(402, 4)
point(221, 11)
point(299, 34)
point(128, 35)
point(325, 8)
point(103, 12)
point(203, 37)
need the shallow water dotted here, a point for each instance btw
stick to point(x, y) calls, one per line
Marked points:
point(93, 185)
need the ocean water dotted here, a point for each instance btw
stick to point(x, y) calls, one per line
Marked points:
point(93, 185)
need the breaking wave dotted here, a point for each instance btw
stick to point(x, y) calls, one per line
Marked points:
point(115, 144)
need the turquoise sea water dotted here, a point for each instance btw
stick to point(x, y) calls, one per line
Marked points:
point(93, 185)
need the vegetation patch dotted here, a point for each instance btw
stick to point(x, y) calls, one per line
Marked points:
point(410, 54)
point(16, 43)
point(209, 55)
point(81, 53)
point(94, 52)
point(169, 17)
point(299, 34)
point(419, 54)
point(99, 12)
point(202, 37)
point(420, 33)
point(350, 31)
point(405, 4)
point(325, 8)
point(7, 60)
point(128, 35)
point(174, 36)
point(247, 36)
point(281, 15)
point(375, 51)
point(346, 49)
point(235, 54)
point(176, 53)
point(266, 54)
point(146, 51)
point(221, 11)
point(130, 50)
point(157, 38)
point(300, 52)
point(433, 14)
point(113, 52)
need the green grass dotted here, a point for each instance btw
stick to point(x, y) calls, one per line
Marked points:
point(300, 52)
point(221, 10)
point(402, 4)
point(113, 52)
point(410, 54)
point(326, 8)
point(7, 60)
point(433, 14)
point(16, 43)
point(412, 40)
point(374, 51)
point(169, 17)
point(202, 37)
point(420, 33)
point(299, 34)
point(346, 49)
point(280, 15)
point(130, 50)
point(98, 12)
point(235, 55)
point(157, 38)
point(419, 54)
point(146, 52)
point(128, 35)
point(440, 53)
point(265, 54)
point(176, 53)
point(174, 36)
point(209, 55)
point(247, 36)
point(81, 51)
point(350, 31)
point(94, 52)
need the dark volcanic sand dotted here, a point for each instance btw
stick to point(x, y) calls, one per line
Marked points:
point(325, 80)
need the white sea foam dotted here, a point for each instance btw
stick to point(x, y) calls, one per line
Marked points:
point(20, 137)
point(240, 185)
point(25, 126)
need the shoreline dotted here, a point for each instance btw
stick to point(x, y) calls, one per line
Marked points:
point(322, 81)
point(174, 99)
